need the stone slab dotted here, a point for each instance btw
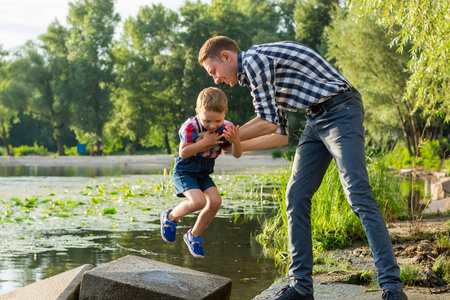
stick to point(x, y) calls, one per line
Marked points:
point(341, 291)
point(65, 286)
point(133, 277)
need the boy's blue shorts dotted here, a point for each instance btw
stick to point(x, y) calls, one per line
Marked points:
point(192, 173)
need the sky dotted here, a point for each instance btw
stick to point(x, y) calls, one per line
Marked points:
point(23, 20)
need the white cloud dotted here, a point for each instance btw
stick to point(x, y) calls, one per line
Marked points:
point(22, 20)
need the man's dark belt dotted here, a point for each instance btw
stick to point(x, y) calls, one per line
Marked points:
point(317, 109)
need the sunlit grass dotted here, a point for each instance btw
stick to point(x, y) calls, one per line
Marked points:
point(334, 225)
point(410, 275)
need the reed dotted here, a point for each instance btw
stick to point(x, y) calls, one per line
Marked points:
point(334, 225)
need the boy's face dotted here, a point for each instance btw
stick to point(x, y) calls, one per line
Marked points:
point(223, 69)
point(211, 120)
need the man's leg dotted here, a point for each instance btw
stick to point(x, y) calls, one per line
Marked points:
point(343, 132)
point(309, 166)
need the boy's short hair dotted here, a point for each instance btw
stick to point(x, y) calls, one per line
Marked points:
point(212, 99)
point(214, 46)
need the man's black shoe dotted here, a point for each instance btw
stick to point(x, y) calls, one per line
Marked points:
point(290, 293)
point(393, 295)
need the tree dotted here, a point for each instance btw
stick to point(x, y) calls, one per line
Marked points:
point(143, 97)
point(378, 72)
point(425, 24)
point(8, 115)
point(44, 72)
point(311, 17)
point(91, 31)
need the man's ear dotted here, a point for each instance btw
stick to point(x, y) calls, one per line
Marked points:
point(226, 55)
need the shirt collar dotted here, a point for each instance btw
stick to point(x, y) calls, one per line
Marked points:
point(242, 78)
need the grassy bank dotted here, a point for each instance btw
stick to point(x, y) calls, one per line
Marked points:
point(334, 225)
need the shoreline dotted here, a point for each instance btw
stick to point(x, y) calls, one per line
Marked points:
point(224, 163)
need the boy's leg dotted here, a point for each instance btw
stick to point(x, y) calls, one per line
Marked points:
point(196, 201)
point(213, 203)
point(169, 219)
point(192, 237)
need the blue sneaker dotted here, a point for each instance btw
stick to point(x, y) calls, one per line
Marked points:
point(168, 228)
point(194, 244)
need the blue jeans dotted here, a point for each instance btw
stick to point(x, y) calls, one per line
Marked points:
point(192, 173)
point(336, 133)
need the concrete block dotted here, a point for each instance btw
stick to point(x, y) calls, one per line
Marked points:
point(440, 188)
point(438, 206)
point(65, 286)
point(132, 277)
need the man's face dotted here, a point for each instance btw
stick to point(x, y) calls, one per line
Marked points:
point(223, 69)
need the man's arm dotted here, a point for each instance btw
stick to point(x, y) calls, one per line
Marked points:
point(265, 142)
point(255, 128)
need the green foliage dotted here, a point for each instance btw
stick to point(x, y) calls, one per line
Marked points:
point(399, 157)
point(30, 150)
point(377, 71)
point(442, 267)
point(3, 151)
point(334, 225)
point(311, 18)
point(425, 24)
point(70, 151)
point(276, 153)
point(409, 274)
point(429, 156)
point(136, 91)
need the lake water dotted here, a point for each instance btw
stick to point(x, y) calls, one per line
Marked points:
point(46, 232)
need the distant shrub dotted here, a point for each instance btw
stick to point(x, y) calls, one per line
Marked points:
point(399, 157)
point(429, 156)
point(30, 150)
point(70, 151)
point(276, 153)
point(2, 151)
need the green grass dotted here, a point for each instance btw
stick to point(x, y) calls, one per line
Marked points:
point(409, 274)
point(334, 225)
point(442, 267)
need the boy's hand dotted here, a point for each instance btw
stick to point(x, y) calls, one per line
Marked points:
point(200, 136)
point(210, 139)
point(231, 134)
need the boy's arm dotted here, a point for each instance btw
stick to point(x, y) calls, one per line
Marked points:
point(209, 140)
point(231, 134)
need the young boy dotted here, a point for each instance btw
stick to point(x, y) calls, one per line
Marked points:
point(196, 159)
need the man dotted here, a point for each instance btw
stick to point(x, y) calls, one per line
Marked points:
point(289, 76)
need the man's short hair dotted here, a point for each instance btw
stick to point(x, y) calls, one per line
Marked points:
point(214, 46)
point(212, 99)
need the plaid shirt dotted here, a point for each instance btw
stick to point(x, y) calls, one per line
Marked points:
point(192, 127)
point(287, 76)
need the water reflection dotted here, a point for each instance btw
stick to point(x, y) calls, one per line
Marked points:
point(72, 171)
point(413, 189)
point(230, 251)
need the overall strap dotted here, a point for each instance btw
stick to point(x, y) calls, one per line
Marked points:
point(200, 127)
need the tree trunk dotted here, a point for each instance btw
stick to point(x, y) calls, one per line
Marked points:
point(167, 144)
point(99, 148)
point(60, 145)
point(5, 141)
point(134, 146)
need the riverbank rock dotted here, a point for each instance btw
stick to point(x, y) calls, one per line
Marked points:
point(440, 188)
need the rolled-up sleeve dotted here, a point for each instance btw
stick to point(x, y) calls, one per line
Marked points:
point(262, 71)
